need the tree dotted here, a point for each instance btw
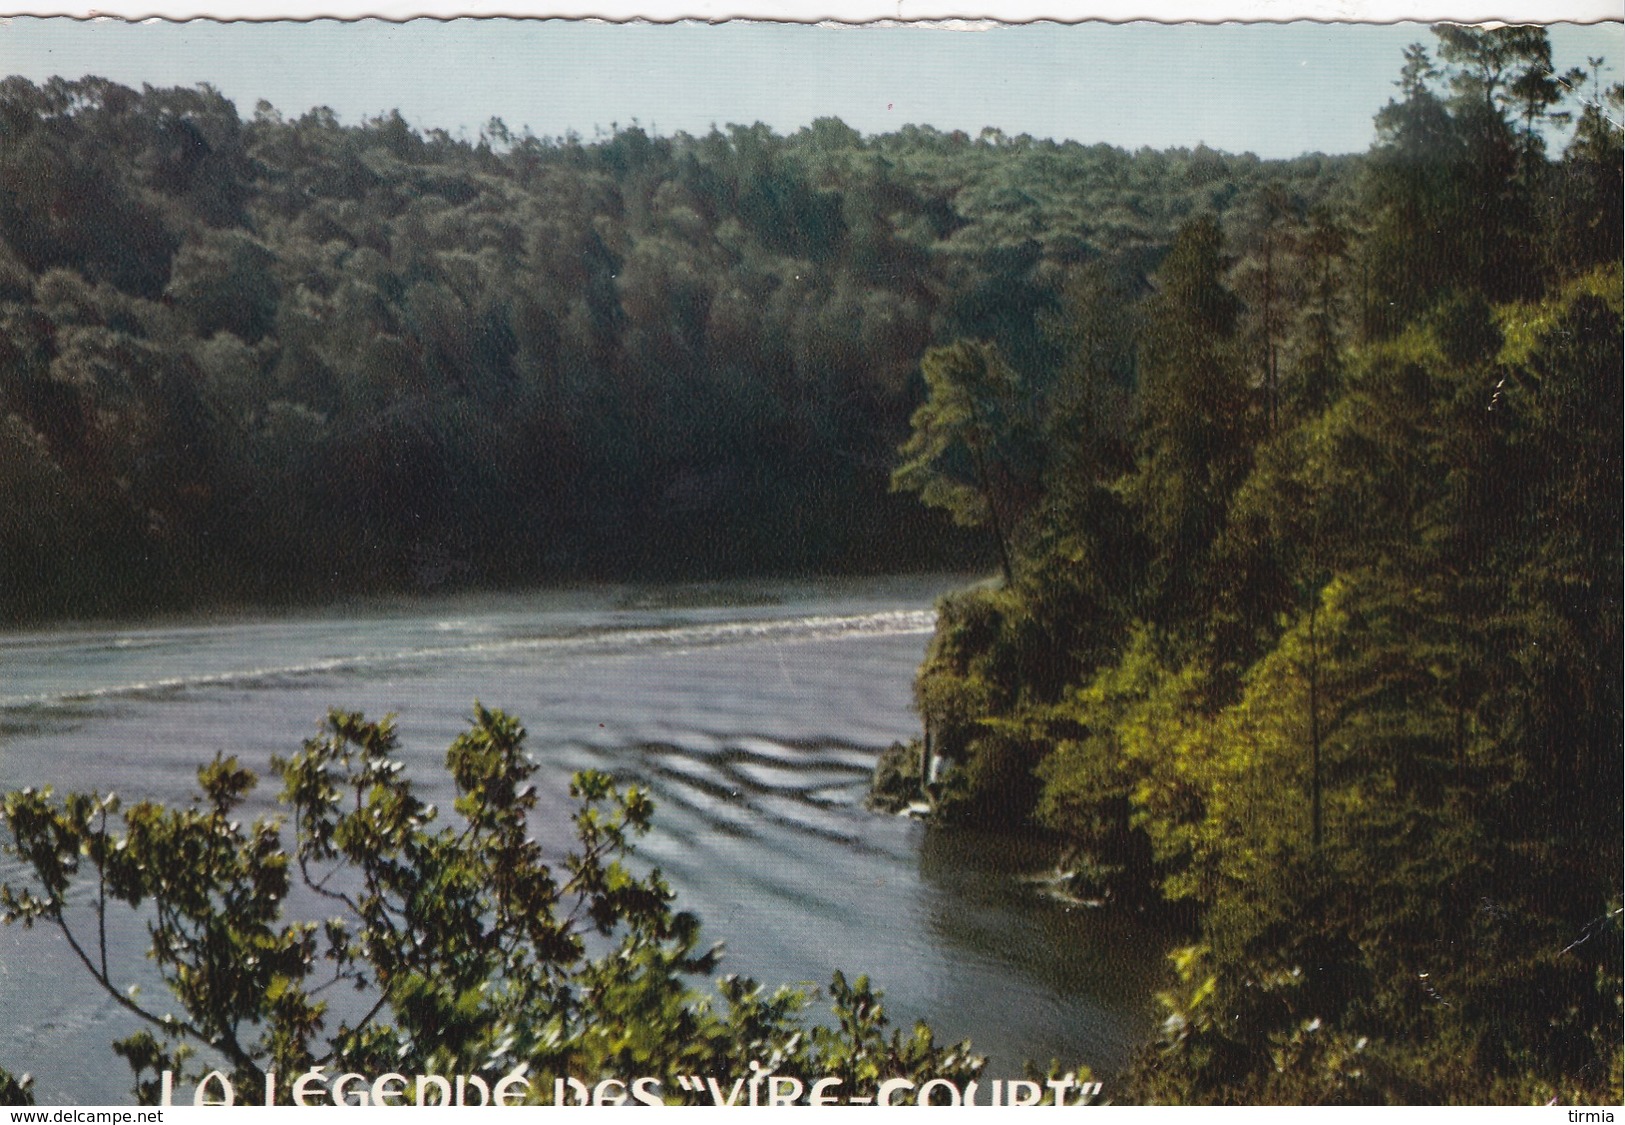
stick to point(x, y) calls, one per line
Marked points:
point(1269, 289)
point(1089, 407)
point(967, 452)
point(1592, 218)
point(1325, 249)
point(470, 951)
point(1196, 426)
point(1502, 69)
point(1409, 188)
point(1497, 73)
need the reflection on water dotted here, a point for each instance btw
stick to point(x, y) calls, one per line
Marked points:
point(1085, 971)
point(754, 716)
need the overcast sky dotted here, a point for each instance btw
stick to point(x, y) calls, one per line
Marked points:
point(1273, 89)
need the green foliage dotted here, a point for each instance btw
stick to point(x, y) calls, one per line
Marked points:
point(468, 948)
point(972, 415)
point(1304, 478)
point(1107, 737)
point(1589, 226)
point(897, 782)
point(1334, 661)
point(498, 362)
point(1196, 427)
point(1466, 331)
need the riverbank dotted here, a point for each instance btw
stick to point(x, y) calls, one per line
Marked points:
point(754, 719)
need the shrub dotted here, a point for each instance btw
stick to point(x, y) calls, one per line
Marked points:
point(470, 950)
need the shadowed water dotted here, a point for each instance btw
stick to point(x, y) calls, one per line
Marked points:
point(754, 714)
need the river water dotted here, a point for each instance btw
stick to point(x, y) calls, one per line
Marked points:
point(754, 712)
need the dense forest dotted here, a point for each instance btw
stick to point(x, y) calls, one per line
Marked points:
point(1309, 628)
point(1303, 479)
point(246, 361)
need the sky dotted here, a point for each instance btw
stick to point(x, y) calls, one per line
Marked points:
point(1277, 90)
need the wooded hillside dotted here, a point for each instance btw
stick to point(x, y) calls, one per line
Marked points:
point(290, 358)
point(1310, 629)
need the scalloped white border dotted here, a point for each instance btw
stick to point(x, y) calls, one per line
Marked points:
point(843, 11)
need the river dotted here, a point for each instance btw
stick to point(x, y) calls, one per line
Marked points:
point(753, 712)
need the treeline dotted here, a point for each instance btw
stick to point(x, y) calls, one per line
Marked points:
point(273, 358)
point(1310, 627)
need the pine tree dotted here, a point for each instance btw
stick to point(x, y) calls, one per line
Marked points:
point(1196, 423)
